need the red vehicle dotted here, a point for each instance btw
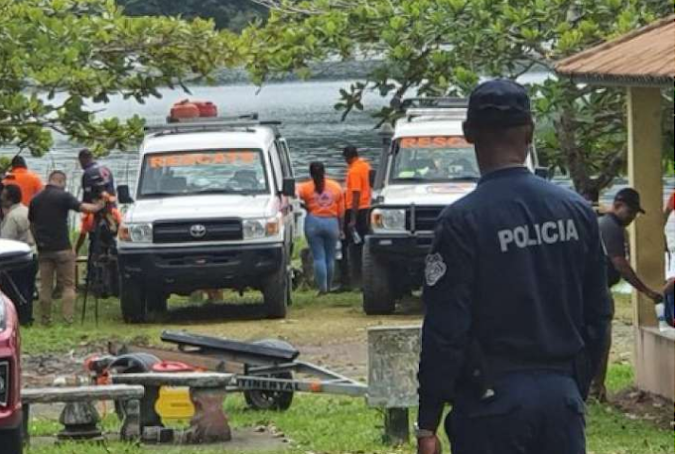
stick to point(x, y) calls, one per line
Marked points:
point(12, 255)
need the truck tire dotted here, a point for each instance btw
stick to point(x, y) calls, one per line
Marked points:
point(276, 293)
point(132, 301)
point(156, 301)
point(379, 299)
point(10, 440)
point(271, 400)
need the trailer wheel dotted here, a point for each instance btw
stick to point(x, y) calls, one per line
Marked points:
point(271, 400)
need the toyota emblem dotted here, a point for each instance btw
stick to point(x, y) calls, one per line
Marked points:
point(197, 231)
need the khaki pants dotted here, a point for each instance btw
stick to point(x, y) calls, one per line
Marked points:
point(63, 265)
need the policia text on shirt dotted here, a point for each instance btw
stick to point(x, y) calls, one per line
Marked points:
point(516, 299)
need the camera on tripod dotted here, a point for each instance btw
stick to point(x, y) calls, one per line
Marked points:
point(102, 264)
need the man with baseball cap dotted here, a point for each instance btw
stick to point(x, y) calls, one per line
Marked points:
point(516, 299)
point(625, 209)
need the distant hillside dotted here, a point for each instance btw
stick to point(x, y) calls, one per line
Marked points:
point(349, 70)
point(231, 14)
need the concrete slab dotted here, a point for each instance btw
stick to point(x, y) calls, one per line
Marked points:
point(246, 440)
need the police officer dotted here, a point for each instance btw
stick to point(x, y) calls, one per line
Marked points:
point(516, 299)
point(96, 177)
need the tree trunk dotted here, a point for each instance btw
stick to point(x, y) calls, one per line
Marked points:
point(588, 185)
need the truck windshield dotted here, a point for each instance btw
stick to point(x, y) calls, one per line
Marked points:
point(434, 160)
point(203, 172)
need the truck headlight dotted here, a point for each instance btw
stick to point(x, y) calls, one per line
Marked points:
point(254, 229)
point(388, 220)
point(136, 233)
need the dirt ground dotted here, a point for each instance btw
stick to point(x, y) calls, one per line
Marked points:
point(636, 404)
point(334, 337)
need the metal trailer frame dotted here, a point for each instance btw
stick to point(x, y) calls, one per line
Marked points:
point(255, 365)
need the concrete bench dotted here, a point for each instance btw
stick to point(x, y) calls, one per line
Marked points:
point(128, 396)
point(207, 392)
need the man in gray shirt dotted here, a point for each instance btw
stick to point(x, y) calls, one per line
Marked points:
point(15, 224)
point(18, 284)
point(613, 225)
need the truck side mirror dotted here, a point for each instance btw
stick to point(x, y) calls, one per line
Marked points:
point(542, 172)
point(124, 196)
point(371, 177)
point(289, 187)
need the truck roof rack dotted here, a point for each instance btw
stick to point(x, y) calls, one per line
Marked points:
point(434, 103)
point(432, 109)
point(234, 123)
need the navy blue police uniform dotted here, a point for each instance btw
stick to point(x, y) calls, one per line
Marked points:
point(516, 313)
point(96, 177)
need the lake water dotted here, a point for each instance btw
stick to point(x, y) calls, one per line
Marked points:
point(313, 128)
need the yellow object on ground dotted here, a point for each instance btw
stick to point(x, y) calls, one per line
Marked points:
point(174, 404)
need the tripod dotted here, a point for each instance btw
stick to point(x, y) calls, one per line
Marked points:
point(99, 261)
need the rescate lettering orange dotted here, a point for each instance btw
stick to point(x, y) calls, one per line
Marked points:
point(434, 142)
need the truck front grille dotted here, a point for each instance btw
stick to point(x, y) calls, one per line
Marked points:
point(426, 218)
point(197, 231)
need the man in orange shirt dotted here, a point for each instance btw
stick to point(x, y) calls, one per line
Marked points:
point(29, 182)
point(358, 203)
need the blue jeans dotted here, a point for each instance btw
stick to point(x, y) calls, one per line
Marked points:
point(322, 235)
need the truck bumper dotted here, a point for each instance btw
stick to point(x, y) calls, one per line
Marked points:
point(183, 270)
point(410, 250)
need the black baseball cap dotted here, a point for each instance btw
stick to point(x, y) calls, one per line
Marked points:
point(630, 197)
point(499, 103)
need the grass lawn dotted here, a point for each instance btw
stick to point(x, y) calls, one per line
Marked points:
point(317, 424)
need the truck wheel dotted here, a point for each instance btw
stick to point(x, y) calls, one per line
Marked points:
point(156, 301)
point(379, 298)
point(271, 400)
point(291, 286)
point(10, 440)
point(132, 301)
point(275, 292)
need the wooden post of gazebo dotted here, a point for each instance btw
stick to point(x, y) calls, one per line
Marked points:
point(643, 61)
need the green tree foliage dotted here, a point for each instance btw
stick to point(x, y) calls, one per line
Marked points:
point(61, 60)
point(227, 14)
point(441, 47)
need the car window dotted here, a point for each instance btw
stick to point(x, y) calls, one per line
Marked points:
point(434, 159)
point(203, 172)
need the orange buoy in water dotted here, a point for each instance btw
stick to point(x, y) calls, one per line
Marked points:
point(183, 110)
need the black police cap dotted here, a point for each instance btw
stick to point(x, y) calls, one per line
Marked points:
point(630, 197)
point(499, 103)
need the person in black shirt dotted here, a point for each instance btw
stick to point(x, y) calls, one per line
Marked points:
point(623, 213)
point(48, 214)
point(515, 297)
point(96, 177)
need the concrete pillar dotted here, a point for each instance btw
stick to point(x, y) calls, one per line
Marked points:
point(654, 352)
point(646, 175)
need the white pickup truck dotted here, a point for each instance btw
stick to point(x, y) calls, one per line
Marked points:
point(212, 210)
point(427, 166)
